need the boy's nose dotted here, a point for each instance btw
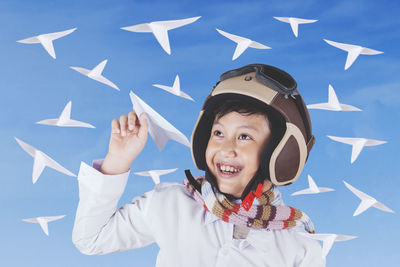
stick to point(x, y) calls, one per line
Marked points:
point(228, 148)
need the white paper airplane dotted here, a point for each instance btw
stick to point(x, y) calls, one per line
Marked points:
point(175, 89)
point(366, 201)
point(160, 29)
point(65, 120)
point(41, 160)
point(294, 22)
point(328, 240)
point(46, 40)
point(95, 74)
point(159, 128)
point(155, 174)
point(242, 43)
point(43, 221)
point(357, 144)
point(312, 188)
point(333, 103)
point(353, 51)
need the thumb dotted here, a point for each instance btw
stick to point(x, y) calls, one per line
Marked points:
point(144, 126)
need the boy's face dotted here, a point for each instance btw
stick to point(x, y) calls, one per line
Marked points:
point(234, 149)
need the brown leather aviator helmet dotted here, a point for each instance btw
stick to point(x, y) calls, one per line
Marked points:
point(275, 90)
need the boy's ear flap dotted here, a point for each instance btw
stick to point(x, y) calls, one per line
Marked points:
point(288, 159)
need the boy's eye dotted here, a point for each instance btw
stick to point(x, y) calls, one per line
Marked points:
point(218, 133)
point(244, 137)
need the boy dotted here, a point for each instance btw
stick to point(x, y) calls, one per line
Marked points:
point(253, 134)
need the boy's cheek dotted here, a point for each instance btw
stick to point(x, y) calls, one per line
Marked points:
point(208, 156)
point(210, 164)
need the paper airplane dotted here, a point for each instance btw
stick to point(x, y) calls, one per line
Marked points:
point(242, 43)
point(46, 40)
point(65, 119)
point(155, 174)
point(294, 22)
point(357, 144)
point(328, 240)
point(41, 160)
point(366, 201)
point(95, 74)
point(43, 221)
point(160, 29)
point(175, 89)
point(333, 103)
point(312, 188)
point(159, 128)
point(353, 51)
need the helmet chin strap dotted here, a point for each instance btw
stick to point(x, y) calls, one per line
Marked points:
point(257, 182)
point(248, 195)
point(257, 179)
point(213, 181)
point(253, 189)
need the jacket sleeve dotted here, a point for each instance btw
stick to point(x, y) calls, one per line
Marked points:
point(99, 227)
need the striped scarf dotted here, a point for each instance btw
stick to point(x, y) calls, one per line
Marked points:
point(267, 212)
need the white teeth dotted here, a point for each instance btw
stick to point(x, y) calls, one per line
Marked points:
point(225, 168)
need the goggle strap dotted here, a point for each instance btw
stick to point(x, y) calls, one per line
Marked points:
point(192, 181)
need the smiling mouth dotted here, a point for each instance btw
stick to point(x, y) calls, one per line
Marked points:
point(226, 170)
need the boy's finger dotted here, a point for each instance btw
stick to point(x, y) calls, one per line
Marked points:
point(131, 120)
point(115, 129)
point(123, 121)
point(144, 125)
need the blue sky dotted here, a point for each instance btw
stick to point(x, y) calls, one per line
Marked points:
point(37, 87)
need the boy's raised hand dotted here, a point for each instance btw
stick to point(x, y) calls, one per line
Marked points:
point(128, 138)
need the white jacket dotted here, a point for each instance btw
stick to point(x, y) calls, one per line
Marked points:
point(186, 234)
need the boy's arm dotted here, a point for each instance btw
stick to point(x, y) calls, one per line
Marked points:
point(100, 228)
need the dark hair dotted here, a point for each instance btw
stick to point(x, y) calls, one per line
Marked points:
point(242, 107)
point(248, 106)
